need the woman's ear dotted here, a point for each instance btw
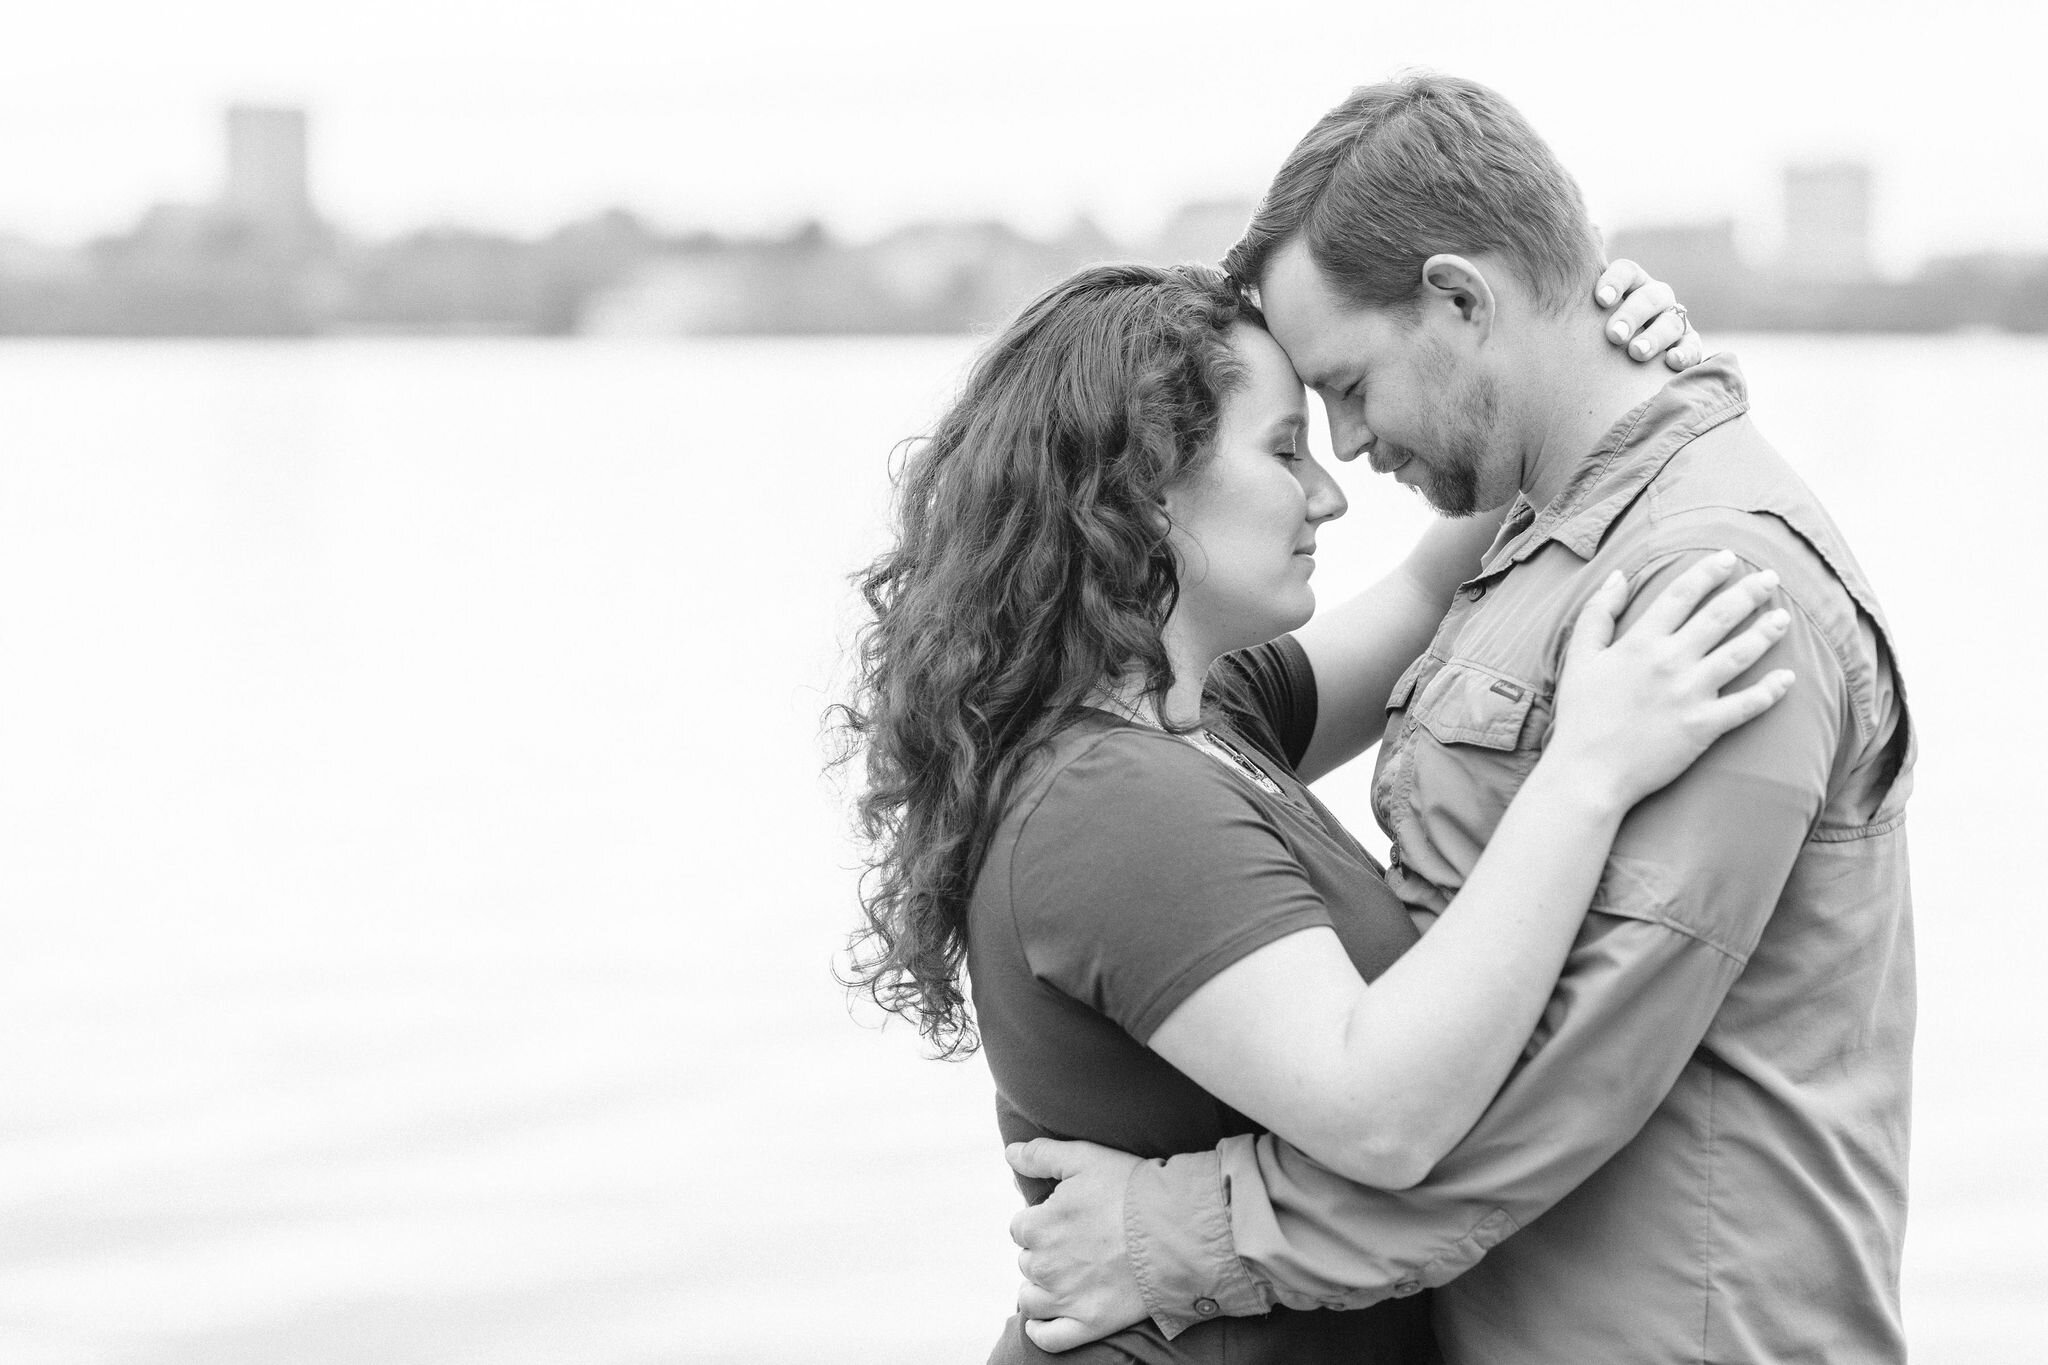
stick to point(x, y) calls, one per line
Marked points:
point(1455, 283)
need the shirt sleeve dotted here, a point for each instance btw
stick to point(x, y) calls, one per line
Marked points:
point(1693, 877)
point(1269, 693)
point(1145, 869)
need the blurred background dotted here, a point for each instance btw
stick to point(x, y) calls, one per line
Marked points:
point(436, 436)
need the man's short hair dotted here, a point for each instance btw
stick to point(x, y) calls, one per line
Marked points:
point(1414, 166)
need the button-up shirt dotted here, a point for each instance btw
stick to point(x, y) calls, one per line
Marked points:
point(1702, 1153)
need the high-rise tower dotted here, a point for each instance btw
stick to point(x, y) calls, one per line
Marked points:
point(266, 185)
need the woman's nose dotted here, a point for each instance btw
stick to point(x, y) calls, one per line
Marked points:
point(1326, 500)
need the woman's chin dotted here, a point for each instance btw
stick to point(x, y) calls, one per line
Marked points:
point(1298, 615)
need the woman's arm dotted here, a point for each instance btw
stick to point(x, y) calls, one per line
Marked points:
point(1360, 648)
point(1379, 1082)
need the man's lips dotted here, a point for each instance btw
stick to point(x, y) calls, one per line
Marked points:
point(1387, 461)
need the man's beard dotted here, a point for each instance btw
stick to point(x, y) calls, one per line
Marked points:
point(1448, 476)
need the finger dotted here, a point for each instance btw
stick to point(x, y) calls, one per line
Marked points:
point(1024, 1226)
point(1034, 1300)
point(1688, 352)
point(1616, 280)
point(1739, 708)
point(1044, 1158)
point(1024, 1265)
point(1736, 655)
point(1728, 610)
point(1058, 1334)
point(1594, 628)
point(1674, 605)
point(1661, 333)
point(1639, 308)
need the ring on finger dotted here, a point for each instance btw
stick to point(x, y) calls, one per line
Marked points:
point(1680, 310)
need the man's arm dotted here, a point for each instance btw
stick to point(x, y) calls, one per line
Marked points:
point(1695, 874)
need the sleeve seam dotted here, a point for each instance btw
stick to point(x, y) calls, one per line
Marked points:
point(1236, 948)
point(1674, 926)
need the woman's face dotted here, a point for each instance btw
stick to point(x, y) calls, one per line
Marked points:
point(1244, 526)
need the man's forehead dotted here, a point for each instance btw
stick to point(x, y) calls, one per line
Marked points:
point(1305, 314)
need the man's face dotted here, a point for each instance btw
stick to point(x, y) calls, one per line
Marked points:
point(1395, 388)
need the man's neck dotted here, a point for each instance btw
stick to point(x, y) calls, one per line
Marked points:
point(1577, 387)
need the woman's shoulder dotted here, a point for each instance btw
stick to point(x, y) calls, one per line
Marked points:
point(1269, 694)
point(1107, 775)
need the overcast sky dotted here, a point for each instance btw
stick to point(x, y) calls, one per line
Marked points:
point(515, 114)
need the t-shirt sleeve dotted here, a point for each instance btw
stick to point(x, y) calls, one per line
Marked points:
point(1269, 693)
point(1144, 870)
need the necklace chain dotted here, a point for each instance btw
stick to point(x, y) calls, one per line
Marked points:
point(1207, 741)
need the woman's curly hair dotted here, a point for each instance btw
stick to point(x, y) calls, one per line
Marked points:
point(1031, 568)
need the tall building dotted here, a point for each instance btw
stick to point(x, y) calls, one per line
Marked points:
point(1827, 221)
point(266, 183)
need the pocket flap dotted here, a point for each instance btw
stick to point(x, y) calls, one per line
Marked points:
point(1467, 704)
point(1404, 686)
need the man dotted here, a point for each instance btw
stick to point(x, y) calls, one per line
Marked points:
point(1702, 1155)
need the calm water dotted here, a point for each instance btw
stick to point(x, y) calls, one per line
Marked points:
point(419, 889)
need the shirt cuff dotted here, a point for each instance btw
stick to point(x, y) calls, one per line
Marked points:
point(1177, 1238)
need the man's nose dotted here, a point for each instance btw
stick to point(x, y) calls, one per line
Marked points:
point(1348, 434)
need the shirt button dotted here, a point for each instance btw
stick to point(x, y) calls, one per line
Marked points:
point(1407, 1287)
point(1205, 1308)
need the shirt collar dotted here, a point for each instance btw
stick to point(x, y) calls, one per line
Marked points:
point(1632, 453)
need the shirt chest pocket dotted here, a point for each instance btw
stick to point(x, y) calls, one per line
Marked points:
point(1463, 702)
point(1461, 737)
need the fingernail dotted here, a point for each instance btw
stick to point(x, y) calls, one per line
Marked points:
point(1617, 331)
point(1724, 556)
point(1608, 296)
point(1641, 348)
point(1767, 578)
point(1779, 617)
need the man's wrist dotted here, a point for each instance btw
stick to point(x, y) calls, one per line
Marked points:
point(1178, 1240)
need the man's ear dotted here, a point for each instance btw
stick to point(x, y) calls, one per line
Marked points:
point(1454, 283)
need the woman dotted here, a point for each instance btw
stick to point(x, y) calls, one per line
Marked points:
point(1087, 728)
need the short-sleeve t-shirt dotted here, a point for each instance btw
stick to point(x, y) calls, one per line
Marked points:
point(1129, 868)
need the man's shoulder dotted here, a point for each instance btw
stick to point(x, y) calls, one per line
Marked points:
point(1731, 468)
point(1730, 488)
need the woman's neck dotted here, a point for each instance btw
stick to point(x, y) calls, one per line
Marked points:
point(1181, 707)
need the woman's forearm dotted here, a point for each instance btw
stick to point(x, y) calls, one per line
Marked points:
point(1448, 553)
point(1437, 1034)
point(1378, 1082)
point(1360, 647)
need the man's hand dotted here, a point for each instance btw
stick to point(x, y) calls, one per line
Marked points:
point(1078, 1285)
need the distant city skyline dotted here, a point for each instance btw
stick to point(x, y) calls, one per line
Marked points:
point(871, 117)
